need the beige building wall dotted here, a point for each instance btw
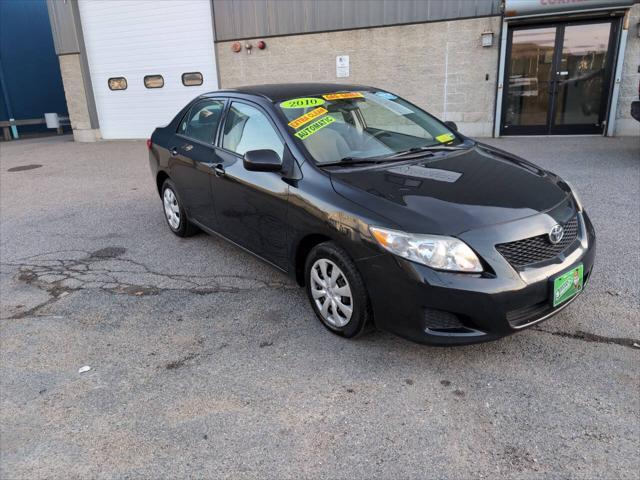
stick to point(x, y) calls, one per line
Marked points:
point(439, 66)
point(625, 124)
point(75, 94)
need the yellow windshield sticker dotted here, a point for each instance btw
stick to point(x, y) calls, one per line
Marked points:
point(342, 96)
point(446, 137)
point(314, 127)
point(302, 102)
point(307, 117)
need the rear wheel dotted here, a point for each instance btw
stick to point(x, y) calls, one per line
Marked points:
point(174, 212)
point(336, 290)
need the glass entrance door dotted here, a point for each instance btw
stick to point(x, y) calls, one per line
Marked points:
point(529, 80)
point(558, 78)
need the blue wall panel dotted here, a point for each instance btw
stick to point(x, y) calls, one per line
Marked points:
point(29, 62)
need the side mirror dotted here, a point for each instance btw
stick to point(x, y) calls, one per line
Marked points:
point(262, 161)
point(451, 125)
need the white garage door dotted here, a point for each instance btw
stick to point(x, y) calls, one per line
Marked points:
point(136, 38)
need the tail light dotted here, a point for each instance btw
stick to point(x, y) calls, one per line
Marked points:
point(149, 144)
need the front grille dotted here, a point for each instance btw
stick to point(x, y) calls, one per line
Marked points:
point(538, 249)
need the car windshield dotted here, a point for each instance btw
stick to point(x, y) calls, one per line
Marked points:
point(347, 126)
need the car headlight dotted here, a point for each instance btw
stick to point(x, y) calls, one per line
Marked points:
point(443, 253)
point(576, 197)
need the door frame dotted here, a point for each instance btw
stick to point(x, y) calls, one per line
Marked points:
point(615, 49)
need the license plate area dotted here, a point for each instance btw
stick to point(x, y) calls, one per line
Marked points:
point(567, 285)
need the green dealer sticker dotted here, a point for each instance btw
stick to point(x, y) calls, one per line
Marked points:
point(567, 285)
point(314, 127)
point(302, 102)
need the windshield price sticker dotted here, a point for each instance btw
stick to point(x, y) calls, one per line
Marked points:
point(446, 137)
point(307, 117)
point(302, 102)
point(314, 127)
point(342, 96)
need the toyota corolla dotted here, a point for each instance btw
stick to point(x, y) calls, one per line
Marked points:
point(386, 215)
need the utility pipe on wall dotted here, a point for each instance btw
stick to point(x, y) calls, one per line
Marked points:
point(5, 95)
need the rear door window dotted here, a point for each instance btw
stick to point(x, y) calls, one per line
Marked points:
point(201, 123)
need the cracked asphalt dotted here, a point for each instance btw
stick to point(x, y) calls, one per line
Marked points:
point(206, 362)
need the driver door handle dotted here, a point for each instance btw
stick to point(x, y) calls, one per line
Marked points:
point(218, 170)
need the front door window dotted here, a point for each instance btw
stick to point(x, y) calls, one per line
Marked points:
point(247, 128)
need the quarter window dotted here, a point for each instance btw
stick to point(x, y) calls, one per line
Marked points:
point(247, 128)
point(153, 81)
point(192, 79)
point(201, 123)
point(117, 83)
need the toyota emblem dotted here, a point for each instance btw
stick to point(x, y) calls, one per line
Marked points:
point(556, 234)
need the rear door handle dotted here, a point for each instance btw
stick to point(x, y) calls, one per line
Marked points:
point(174, 151)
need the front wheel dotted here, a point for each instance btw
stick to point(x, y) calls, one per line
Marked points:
point(336, 290)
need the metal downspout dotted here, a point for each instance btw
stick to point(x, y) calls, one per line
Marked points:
point(5, 95)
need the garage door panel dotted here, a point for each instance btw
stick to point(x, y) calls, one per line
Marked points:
point(134, 38)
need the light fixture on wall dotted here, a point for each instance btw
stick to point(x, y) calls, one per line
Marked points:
point(486, 38)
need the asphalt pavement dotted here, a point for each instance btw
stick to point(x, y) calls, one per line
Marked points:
point(206, 362)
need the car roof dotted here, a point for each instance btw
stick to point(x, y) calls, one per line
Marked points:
point(284, 91)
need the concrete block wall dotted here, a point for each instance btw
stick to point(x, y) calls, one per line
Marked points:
point(74, 90)
point(439, 66)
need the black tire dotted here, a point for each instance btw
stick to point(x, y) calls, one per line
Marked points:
point(185, 228)
point(361, 315)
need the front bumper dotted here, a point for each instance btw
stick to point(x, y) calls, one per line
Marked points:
point(441, 308)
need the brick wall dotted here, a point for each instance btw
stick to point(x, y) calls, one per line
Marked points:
point(409, 60)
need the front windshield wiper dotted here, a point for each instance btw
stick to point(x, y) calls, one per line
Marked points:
point(351, 161)
point(417, 151)
point(411, 152)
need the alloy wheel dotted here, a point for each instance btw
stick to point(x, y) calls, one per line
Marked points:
point(331, 293)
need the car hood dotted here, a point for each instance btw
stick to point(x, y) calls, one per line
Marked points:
point(453, 192)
